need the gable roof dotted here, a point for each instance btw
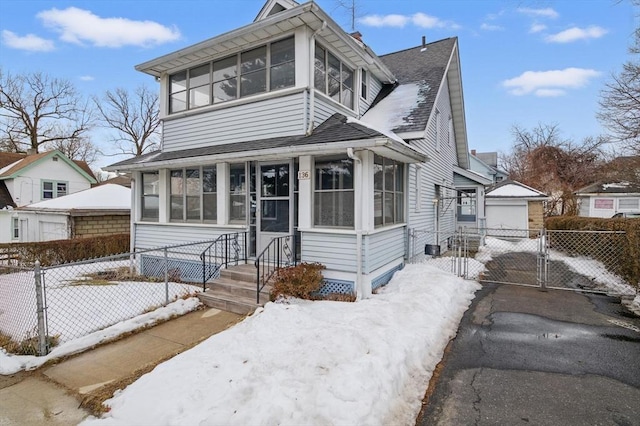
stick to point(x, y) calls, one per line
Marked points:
point(514, 189)
point(421, 72)
point(5, 197)
point(610, 188)
point(12, 164)
point(270, 26)
point(271, 7)
point(335, 134)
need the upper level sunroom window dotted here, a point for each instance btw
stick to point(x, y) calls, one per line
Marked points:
point(263, 69)
point(332, 77)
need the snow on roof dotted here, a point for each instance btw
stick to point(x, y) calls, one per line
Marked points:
point(606, 186)
point(515, 189)
point(103, 197)
point(392, 111)
point(9, 166)
point(388, 133)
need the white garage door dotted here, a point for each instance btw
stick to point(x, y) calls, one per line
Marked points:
point(507, 216)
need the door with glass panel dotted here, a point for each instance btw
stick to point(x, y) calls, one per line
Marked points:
point(274, 213)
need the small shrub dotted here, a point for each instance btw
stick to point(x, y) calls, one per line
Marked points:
point(340, 297)
point(28, 346)
point(299, 281)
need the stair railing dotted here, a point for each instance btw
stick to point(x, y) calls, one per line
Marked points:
point(227, 249)
point(279, 253)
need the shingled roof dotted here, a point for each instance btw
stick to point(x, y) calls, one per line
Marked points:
point(336, 128)
point(20, 161)
point(424, 67)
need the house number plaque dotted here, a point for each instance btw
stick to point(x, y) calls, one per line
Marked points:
point(304, 174)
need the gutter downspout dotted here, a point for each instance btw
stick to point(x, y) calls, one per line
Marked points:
point(358, 224)
point(310, 87)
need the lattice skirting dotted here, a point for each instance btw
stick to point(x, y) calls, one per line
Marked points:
point(178, 269)
point(383, 279)
point(337, 286)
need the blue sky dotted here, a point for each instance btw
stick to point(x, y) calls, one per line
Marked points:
point(523, 62)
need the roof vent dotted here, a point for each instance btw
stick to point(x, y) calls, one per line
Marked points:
point(424, 44)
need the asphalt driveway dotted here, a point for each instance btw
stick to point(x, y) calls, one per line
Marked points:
point(523, 356)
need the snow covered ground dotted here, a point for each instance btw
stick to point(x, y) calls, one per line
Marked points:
point(302, 362)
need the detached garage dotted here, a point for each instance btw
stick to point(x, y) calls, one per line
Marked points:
point(513, 205)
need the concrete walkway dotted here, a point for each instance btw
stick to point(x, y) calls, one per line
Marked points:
point(55, 395)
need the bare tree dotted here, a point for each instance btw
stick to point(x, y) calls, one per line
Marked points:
point(541, 158)
point(133, 116)
point(620, 99)
point(37, 110)
point(77, 149)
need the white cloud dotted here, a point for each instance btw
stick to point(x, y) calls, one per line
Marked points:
point(384, 20)
point(78, 26)
point(419, 19)
point(489, 27)
point(539, 13)
point(575, 34)
point(549, 93)
point(87, 78)
point(536, 28)
point(549, 83)
point(30, 42)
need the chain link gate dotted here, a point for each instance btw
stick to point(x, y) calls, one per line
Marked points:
point(547, 259)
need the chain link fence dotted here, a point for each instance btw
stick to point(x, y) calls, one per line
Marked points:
point(44, 307)
point(577, 260)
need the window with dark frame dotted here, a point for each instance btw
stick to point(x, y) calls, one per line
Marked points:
point(466, 203)
point(192, 194)
point(150, 202)
point(388, 191)
point(53, 189)
point(332, 77)
point(334, 193)
point(15, 228)
point(363, 84)
point(259, 70)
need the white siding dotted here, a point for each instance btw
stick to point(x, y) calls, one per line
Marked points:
point(281, 116)
point(157, 235)
point(383, 248)
point(374, 89)
point(325, 108)
point(336, 251)
point(437, 171)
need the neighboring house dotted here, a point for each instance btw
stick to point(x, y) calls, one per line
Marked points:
point(513, 205)
point(291, 126)
point(606, 199)
point(102, 210)
point(30, 178)
point(486, 164)
point(469, 200)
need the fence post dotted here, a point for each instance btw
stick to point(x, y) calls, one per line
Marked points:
point(42, 329)
point(542, 260)
point(166, 277)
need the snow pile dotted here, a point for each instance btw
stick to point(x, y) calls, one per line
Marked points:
point(394, 110)
point(10, 364)
point(367, 362)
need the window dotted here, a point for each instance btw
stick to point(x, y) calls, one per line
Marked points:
point(53, 189)
point(334, 193)
point(237, 193)
point(15, 228)
point(263, 69)
point(332, 77)
point(628, 203)
point(388, 192)
point(466, 201)
point(363, 84)
point(193, 194)
point(150, 196)
point(603, 203)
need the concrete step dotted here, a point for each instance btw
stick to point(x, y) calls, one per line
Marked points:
point(234, 287)
point(244, 273)
point(232, 303)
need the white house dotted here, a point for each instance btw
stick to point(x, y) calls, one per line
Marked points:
point(291, 126)
point(606, 199)
point(30, 178)
point(102, 210)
